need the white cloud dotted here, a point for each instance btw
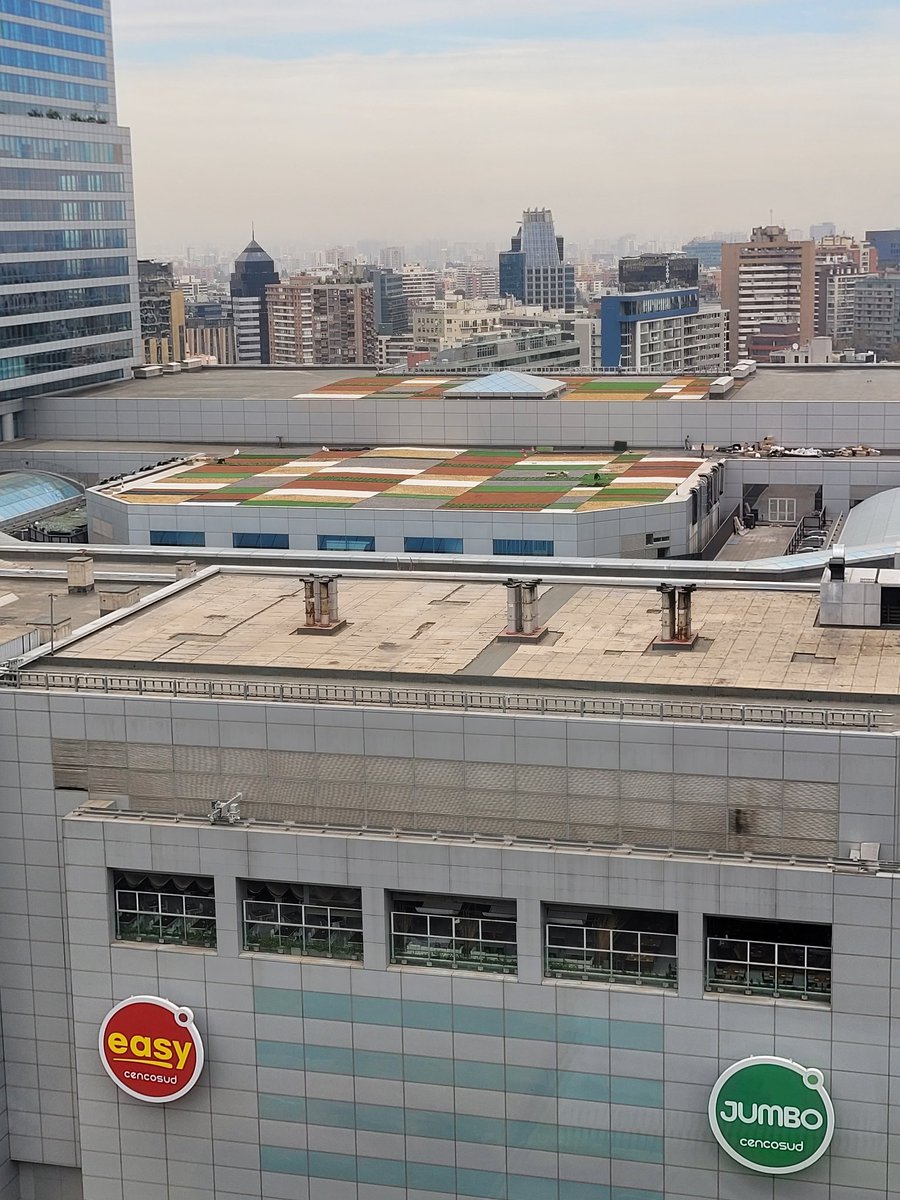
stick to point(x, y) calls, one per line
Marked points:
point(678, 136)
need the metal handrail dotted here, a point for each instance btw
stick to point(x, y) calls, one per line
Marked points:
point(421, 697)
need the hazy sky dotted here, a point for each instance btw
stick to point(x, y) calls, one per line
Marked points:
point(334, 120)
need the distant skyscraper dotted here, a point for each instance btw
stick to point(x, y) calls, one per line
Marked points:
point(824, 229)
point(391, 308)
point(391, 257)
point(162, 313)
point(534, 269)
point(770, 281)
point(68, 265)
point(254, 271)
point(707, 251)
point(652, 272)
point(887, 244)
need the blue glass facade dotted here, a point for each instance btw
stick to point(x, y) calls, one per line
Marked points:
point(887, 243)
point(53, 14)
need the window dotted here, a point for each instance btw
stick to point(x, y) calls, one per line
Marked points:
point(21, 303)
point(176, 537)
point(454, 932)
point(524, 546)
point(52, 270)
point(172, 910)
point(768, 958)
point(22, 365)
point(338, 541)
point(782, 510)
point(259, 541)
point(62, 330)
point(294, 918)
point(53, 14)
point(433, 545)
point(611, 945)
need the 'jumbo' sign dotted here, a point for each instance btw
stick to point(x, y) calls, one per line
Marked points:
point(151, 1048)
point(772, 1115)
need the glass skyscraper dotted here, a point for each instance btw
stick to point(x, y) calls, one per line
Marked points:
point(534, 269)
point(68, 263)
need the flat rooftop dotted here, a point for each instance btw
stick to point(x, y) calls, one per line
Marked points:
point(360, 383)
point(243, 623)
point(416, 477)
point(835, 384)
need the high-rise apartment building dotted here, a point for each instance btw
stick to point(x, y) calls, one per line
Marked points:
point(420, 285)
point(769, 280)
point(534, 269)
point(836, 278)
point(391, 257)
point(317, 321)
point(650, 272)
point(162, 314)
point(254, 271)
point(68, 264)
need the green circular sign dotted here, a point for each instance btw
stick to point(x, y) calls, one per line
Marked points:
point(772, 1115)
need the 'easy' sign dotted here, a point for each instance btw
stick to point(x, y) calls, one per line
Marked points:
point(151, 1048)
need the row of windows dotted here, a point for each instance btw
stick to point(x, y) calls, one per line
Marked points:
point(35, 179)
point(350, 542)
point(64, 359)
point(36, 60)
point(585, 944)
point(64, 329)
point(59, 269)
point(25, 303)
point(32, 241)
point(52, 385)
point(59, 149)
point(61, 210)
point(56, 39)
point(53, 14)
point(55, 89)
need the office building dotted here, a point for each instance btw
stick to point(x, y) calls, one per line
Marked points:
point(321, 321)
point(658, 272)
point(254, 271)
point(887, 245)
point(390, 302)
point(876, 315)
point(663, 332)
point(452, 322)
point(392, 258)
point(529, 348)
point(822, 230)
point(68, 265)
point(162, 308)
point(209, 332)
point(534, 269)
point(769, 280)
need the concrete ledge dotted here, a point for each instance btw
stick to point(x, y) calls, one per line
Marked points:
point(536, 635)
point(322, 630)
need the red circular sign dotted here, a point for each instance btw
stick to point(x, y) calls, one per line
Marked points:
point(151, 1048)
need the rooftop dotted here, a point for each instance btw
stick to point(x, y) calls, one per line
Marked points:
point(421, 477)
point(242, 623)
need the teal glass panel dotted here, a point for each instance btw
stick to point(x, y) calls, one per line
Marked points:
point(490, 1184)
point(419, 1068)
point(422, 1123)
point(583, 1031)
point(283, 1161)
point(332, 1166)
point(326, 1006)
point(329, 1060)
point(338, 1113)
point(424, 1014)
point(470, 1018)
point(530, 1187)
point(636, 1147)
point(635, 1035)
point(379, 1064)
point(428, 1177)
point(388, 1172)
point(488, 1131)
point(379, 1118)
point(532, 1135)
point(536, 1027)
point(288, 1055)
point(375, 1010)
point(646, 1093)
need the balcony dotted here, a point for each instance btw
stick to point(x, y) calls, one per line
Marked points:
point(611, 946)
point(768, 958)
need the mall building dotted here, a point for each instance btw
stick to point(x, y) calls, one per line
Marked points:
point(442, 888)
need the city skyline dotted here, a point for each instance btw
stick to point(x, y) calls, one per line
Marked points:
point(350, 120)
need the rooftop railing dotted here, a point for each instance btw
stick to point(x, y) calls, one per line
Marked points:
point(369, 695)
